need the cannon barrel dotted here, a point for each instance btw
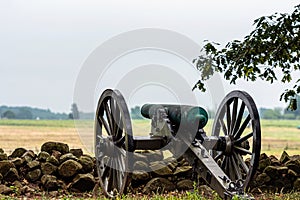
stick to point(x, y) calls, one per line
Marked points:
point(178, 114)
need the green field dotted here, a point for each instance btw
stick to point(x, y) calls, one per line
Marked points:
point(277, 135)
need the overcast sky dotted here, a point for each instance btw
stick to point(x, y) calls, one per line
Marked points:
point(43, 44)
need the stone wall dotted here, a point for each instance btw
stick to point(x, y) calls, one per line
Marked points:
point(277, 175)
point(56, 167)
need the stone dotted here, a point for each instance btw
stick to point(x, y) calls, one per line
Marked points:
point(50, 182)
point(87, 163)
point(52, 159)
point(141, 165)
point(274, 161)
point(282, 170)
point(69, 168)
point(140, 157)
point(76, 152)
point(54, 194)
point(263, 163)
point(140, 175)
point(263, 156)
point(297, 184)
point(28, 156)
point(17, 187)
point(5, 165)
point(154, 155)
point(29, 153)
point(294, 165)
point(17, 184)
point(28, 190)
point(262, 178)
point(291, 175)
point(48, 168)
point(279, 183)
point(17, 161)
point(12, 175)
point(17, 153)
point(56, 154)
point(43, 155)
point(160, 169)
point(34, 175)
point(183, 169)
point(5, 190)
point(284, 157)
point(3, 156)
point(185, 184)
point(272, 172)
point(158, 185)
point(1, 150)
point(27, 159)
point(181, 160)
point(82, 183)
point(33, 164)
point(171, 162)
point(67, 156)
point(58, 146)
point(295, 157)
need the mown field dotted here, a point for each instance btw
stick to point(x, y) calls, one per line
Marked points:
point(277, 135)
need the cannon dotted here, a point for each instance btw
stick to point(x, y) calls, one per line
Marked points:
point(227, 159)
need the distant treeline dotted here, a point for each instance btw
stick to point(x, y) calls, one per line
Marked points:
point(25, 112)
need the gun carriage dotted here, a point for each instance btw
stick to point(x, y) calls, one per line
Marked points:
point(226, 159)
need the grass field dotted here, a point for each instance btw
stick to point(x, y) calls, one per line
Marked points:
point(277, 135)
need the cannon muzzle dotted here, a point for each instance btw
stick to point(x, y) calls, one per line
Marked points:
point(178, 114)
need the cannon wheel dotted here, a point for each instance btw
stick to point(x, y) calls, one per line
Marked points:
point(113, 142)
point(237, 123)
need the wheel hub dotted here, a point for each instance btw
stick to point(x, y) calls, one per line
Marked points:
point(107, 147)
point(228, 145)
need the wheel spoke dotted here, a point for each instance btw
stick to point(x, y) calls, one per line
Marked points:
point(105, 172)
point(243, 127)
point(226, 165)
point(219, 156)
point(233, 117)
point(115, 177)
point(223, 164)
point(231, 170)
point(244, 138)
point(110, 180)
point(104, 123)
point(120, 170)
point(119, 128)
point(239, 118)
point(241, 162)
point(116, 118)
point(223, 126)
point(228, 116)
point(120, 142)
point(104, 168)
point(109, 118)
point(113, 114)
point(242, 150)
point(236, 168)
